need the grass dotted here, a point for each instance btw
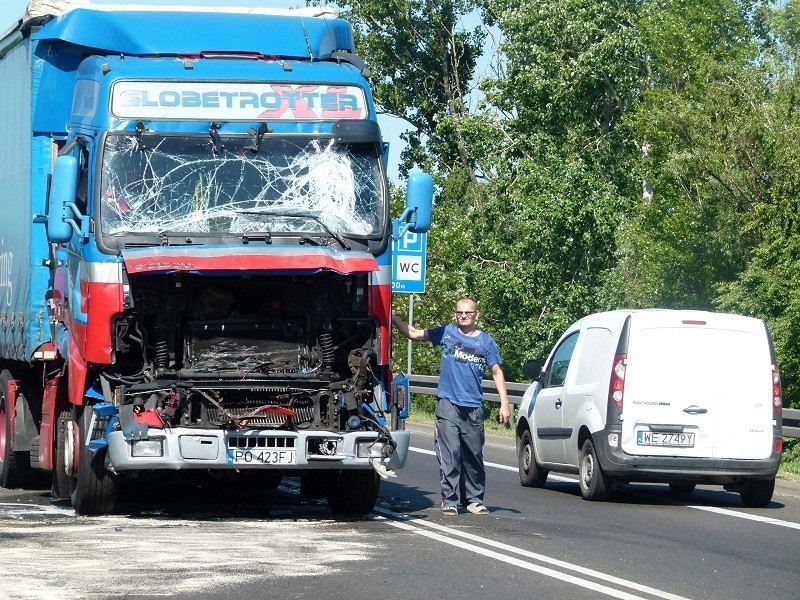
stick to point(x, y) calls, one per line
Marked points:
point(423, 407)
point(790, 461)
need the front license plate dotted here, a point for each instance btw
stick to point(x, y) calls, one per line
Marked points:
point(675, 440)
point(238, 456)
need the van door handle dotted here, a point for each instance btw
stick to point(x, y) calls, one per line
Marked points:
point(559, 403)
point(695, 410)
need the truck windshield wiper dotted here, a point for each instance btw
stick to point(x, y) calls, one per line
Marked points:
point(306, 215)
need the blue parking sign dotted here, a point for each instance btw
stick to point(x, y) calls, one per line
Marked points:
point(408, 263)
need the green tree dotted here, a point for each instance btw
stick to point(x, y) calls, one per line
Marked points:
point(699, 123)
point(422, 61)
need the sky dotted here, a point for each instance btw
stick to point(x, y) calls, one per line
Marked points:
point(390, 127)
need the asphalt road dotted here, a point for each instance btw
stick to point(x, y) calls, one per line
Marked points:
point(190, 540)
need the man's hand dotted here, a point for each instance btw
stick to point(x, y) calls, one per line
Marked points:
point(505, 415)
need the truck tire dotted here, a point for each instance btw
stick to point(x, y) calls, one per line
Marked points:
point(61, 475)
point(595, 484)
point(15, 466)
point(530, 473)
point(758, 493)
point(94, 490)
point(354, 492)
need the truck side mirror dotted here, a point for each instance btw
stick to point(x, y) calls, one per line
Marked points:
point(62, 193)
point(532, 369)
point(419, 199)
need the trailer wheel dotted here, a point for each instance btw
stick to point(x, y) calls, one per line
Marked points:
point(65, 451)
point(15, 466)
point(354, 492)
point(94, 490)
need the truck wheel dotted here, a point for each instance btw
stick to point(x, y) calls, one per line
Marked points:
point(595, 485)
point(758, 493)
point(15, 467)
point(62, 469)
point(354, 492)
point(94, 490)
point(530, 473)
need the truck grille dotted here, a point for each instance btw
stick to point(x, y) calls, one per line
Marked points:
point(249, 442)
point(239, 403)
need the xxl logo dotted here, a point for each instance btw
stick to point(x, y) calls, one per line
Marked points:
point(236, 101)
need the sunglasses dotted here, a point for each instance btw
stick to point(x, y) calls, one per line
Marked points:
point(466, 312)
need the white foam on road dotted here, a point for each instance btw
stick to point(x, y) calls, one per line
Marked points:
point(54, 558)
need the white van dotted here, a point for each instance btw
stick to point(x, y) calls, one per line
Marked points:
point(671, 396)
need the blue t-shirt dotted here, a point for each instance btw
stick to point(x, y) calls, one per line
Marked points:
point(464, 363)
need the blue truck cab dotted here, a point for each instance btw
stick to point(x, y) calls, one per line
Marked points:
point(197, 252)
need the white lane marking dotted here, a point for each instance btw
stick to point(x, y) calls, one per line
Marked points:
point(740, 515)
point(550, 476)
point(415, 526)
point(721, 511)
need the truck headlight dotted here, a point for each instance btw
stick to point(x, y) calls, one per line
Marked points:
point(369, 449)
point(154, 447)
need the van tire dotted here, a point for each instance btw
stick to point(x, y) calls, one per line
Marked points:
point(682, 489)
point(530, 473)
point(595, 484)
point(758, 493)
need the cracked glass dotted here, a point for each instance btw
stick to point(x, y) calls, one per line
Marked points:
point(183, 184)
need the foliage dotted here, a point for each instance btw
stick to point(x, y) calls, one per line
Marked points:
point(628, 153)
point(422, 60)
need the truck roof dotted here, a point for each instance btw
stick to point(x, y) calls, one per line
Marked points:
point(303, 33)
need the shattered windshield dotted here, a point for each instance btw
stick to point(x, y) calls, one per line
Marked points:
point(183, 184)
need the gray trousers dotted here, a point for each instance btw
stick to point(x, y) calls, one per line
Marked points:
point(459, 439)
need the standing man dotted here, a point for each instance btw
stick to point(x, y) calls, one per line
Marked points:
point(466, 353)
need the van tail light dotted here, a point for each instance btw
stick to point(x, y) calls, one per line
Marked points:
point(777, 395)
point(777, 445)
point(616, 387)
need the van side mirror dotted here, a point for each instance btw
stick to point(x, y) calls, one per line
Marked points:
point(532, 369)
point(62, 195)
point(419, 200)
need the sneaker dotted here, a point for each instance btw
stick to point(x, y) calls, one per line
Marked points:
point(476, 508)
point(450, 511)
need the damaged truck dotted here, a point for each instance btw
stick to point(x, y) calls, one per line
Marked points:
point(195, 253)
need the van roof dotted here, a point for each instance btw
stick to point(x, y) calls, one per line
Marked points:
point(616, 318)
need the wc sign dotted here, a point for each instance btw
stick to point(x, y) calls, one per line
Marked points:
point(408, 262)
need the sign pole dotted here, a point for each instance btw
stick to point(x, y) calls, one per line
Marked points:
point(410, 320)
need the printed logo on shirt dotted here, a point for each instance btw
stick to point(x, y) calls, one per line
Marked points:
point(465, 354)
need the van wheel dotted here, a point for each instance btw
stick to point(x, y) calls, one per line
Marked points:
point(94, 490)
point(354, 492)
point(595, 485)
point(530, 473)
point(758, 493)
point(682, 489)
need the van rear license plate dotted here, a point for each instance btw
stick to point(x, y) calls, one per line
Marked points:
point(675, 440)
point(241, 456)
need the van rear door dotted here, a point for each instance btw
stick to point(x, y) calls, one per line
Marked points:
point(697, 385)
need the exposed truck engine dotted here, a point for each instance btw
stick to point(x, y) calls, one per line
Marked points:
point(196, 253)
